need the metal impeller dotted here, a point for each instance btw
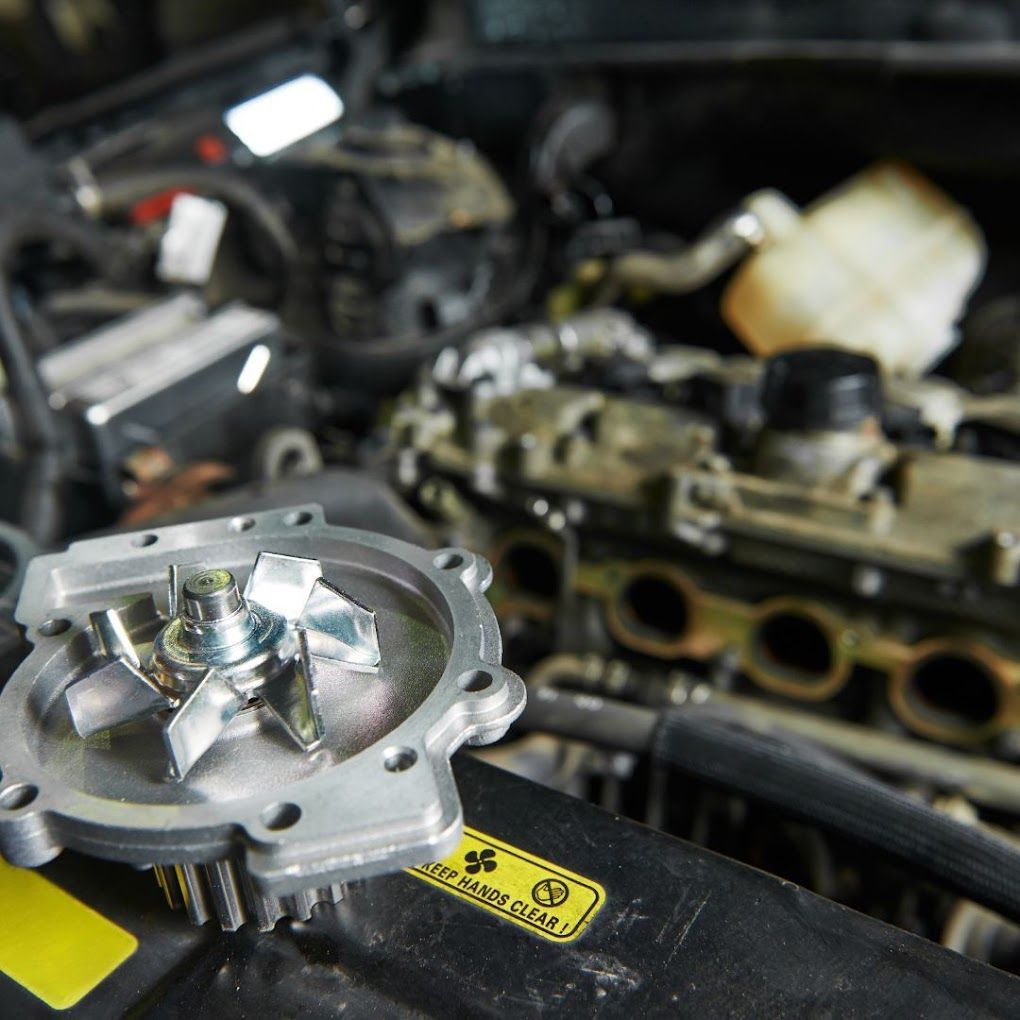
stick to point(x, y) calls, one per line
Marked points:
point(219, 650)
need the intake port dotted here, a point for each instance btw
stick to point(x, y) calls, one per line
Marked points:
point(793, 652)
point(651, 612)
point(530, 569)
point(949, 693)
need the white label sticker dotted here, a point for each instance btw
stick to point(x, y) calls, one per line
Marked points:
point(188, 248)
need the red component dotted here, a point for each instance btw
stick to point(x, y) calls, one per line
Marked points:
point(155, 207)
point(211, 150)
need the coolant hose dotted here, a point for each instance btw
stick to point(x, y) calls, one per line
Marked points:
point(689, 269)
point(707, 744)
point(807, 783)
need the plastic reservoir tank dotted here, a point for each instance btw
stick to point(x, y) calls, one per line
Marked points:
point(881, 265)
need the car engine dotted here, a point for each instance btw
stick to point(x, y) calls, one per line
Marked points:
point(509, 509)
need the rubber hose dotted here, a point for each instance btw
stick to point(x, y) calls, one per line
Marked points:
point(350, 498)
point(816, 788)
point(38, 427)
point(683, 271)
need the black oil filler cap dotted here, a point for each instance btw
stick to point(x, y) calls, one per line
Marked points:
point(821, 388)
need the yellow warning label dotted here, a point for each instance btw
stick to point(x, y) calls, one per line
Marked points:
point(51, 943)
point(544, 898)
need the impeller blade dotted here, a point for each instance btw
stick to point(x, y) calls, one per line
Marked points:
point(115, 693)
point(112, 628)
point(197, 722)
point(282, 583)
point(338, 627)
point(293, 699)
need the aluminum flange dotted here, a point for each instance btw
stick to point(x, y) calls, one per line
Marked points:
point(339, 699)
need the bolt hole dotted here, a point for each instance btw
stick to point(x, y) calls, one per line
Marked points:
point(18, 796)
point(51, 628)
point(474, 681)
point(280, 816)
point(448, 560)
point(399, 759)
point(141, 541)
point(242, 524)
point(297, 518)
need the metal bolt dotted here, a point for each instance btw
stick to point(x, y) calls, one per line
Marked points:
point(1005, 559)
point(538, 507)
point(211, 595)
point(868, 581)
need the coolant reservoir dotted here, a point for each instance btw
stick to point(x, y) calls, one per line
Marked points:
point(881, 265)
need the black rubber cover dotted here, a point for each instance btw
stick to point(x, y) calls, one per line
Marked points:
point(683, 933)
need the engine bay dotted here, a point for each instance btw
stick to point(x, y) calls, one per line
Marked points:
point(630, 401)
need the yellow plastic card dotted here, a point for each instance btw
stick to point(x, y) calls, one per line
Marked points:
point(52, 944)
